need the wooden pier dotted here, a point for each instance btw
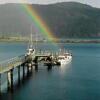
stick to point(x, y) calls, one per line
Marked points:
point(24, 62)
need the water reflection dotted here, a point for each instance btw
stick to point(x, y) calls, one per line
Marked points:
point(65, 67)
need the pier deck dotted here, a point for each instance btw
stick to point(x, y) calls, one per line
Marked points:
point(28, 61)
point(21, 61)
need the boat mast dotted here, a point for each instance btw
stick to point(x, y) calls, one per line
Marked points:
point(31, 41)
point(36, 38)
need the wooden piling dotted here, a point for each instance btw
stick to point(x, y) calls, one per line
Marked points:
point(49, 66)
point(10, 80)
point(36, 66)
point(18, 75)
point(30, 67)
point(0, 84)
point(23, 71)
point(27, 69)
point(36, 63)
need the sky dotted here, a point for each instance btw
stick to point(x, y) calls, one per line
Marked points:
point(94, 3)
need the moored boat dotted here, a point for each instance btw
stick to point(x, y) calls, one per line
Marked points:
point(64, 58)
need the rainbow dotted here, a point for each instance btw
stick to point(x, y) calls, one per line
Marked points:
point(39, 22)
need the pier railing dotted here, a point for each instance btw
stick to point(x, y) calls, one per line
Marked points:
point(11, 63)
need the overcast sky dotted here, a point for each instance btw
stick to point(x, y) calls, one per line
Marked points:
point(95, 3)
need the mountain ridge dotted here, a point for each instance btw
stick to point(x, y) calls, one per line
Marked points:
point(66, 20)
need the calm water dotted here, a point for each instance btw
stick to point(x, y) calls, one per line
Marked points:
point(79, 80)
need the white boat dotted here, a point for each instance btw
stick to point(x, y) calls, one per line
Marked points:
point(65, 58)
point(30, 51)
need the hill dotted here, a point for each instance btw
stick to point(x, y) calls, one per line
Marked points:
point(66, 20)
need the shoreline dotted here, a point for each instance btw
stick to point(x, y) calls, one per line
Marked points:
point(58, 41)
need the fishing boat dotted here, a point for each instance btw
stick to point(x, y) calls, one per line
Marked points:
point(64, 58)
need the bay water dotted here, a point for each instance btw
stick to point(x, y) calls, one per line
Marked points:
point(78, 80)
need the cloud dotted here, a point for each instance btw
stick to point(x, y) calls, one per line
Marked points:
point(14, 1)
point(95, 3)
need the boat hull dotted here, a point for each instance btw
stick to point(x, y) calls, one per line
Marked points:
point(65, 61)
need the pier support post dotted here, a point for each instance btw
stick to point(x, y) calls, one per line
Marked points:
point(31, 67)
point(49, 67)
point(36, 66)
point(18, 75)
point(10, 80)
point(28, 69)
point(50, 64)
point(23, 71)
point(36, 63)
point(0, 84)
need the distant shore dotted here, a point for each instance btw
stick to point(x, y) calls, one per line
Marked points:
point(58, 41)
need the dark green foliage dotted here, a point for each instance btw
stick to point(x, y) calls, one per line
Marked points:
point(68, 19)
